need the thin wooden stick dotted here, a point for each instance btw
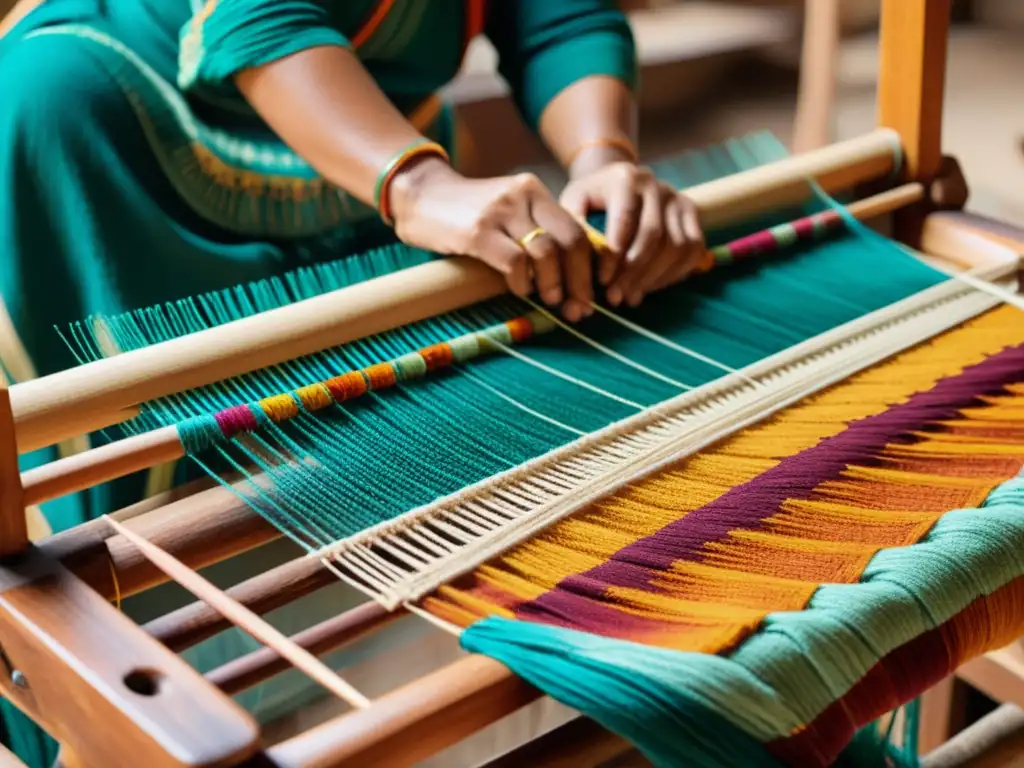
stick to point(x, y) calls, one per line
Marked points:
point(243, 618)
point(193, 623)
point(139, 452)
point(83, 399)
point(327, 636)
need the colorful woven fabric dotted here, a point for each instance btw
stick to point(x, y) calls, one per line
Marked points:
point(726, 612)
point(793, 584)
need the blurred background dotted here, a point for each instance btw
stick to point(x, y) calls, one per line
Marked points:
point(713, 70)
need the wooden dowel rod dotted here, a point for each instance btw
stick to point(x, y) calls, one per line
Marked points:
point(74, 402)
point(193, 623)
point(201, 529)
point(325, 637)
point(243, 618)
point(139, 452)
point(101, 464)
point(413, 722)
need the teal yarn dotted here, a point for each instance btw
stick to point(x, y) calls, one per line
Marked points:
point(198, 433)
point(650, 696)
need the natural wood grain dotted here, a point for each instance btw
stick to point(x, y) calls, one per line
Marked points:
point(943, 713)
point(912, 78)
point(412, 722)
point(580, 743)
point(322, 638)
point(119, 458)
point(13, 524)
point(84, 664)
point(200, 529)
point(242, 617)
point(191, 624)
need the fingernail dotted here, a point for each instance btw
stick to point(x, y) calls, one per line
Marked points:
point(615, 296)
point(605, 275)
point(553, 296)
point(587, 310)
point(635, 299)
point(571, 311)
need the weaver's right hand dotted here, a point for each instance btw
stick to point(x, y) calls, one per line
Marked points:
point(511, 223)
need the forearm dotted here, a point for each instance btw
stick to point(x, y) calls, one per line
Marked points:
point(590, 124)
point(329, 110)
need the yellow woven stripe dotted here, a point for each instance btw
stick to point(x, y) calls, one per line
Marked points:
point(592, 536)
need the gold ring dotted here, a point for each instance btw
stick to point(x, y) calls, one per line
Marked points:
point(525, 241)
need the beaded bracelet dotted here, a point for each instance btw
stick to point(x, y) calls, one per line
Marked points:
point(611, 142)
point(418, 148)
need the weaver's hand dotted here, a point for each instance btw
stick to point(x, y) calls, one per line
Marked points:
point(511, 223)
point(653, 230)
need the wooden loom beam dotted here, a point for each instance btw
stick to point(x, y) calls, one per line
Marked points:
point(98, 394)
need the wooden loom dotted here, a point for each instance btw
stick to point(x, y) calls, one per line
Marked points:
point(106, 687)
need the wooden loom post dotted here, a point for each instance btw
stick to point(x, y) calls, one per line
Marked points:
point(911, 86)
point(13, 525)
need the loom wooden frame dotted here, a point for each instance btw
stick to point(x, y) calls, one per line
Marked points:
point(71, 661)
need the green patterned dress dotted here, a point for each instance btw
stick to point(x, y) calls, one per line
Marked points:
point(133, 173)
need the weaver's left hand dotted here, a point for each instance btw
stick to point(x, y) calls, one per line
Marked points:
point(653, 230)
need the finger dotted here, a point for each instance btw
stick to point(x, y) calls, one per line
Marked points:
point(696, 247)
point(543, 256)
point(576, 200)
point(674, 256)
point(579, 202)
point(575, 250)
point(646, 245)
point(691, 224)
point(502, 253)
point(622, 221)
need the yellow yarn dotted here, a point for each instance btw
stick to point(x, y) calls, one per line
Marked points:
point(280, 408)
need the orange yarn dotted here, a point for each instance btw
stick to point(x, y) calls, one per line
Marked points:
point(346, 386)
point(381, 375)
point(437, 356)
point(520, 328)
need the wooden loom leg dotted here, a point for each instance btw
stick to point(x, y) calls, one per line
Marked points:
point(13, 525)
point(911, 85)
point(71, 661)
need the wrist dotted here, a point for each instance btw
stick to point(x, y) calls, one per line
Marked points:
point(592, 159)
point(410, 182)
